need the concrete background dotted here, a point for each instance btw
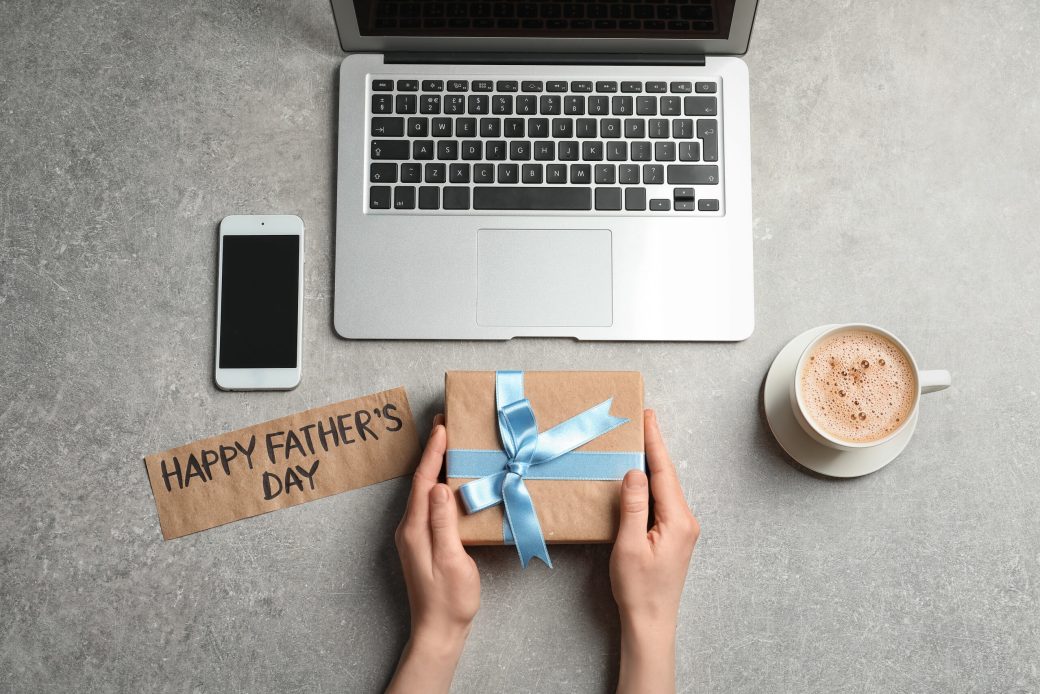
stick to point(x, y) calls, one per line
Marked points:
point(896, 172)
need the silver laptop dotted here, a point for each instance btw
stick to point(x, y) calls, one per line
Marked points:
point(574, 169)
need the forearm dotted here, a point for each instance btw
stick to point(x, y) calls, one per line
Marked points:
point(427, 664)
point(647, 658)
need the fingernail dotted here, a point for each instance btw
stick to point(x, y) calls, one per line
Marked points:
point(635, 481)
point(441, 494)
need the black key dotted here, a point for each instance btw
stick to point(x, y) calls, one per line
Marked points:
point(689, 151)
point(458, 85)
point(581, 86)
point(531, 86)
point(447, 149)
point(606, 86)
point(478, 104)
point(472, 149)
point(658, 128)
point(671, 106)
point(681, 87)
point(455, 104)
point(628, 173)
point(693, 174)
point(491, 127)
point(382, 85)
point(700, 106)
point(532, 198)
point(708, 205)
point(605, 173)
point(411, 172)
point(646, 105)
point(635, 199)
point(456, 198)
point(389, 149)
point(429, 196)
point(592, 151)
point(556, 86)
point(568, 150)
point(404, 197)
point(506, 86)
point(684, 205)
point(704, 87)
point(508, 173)
point(538, 127)
point(653, 173)
point(383, 173)
point(664, 151)
point(599, 105)
point(556, 173)
point(430, 103)
point(656, 87)
point(458, 173)
point(388, 127)
point(531, 173)
point(581, 173)
point(422, 149)
point(610, 127)
point(514, 127)
point(441, 127)
point(431, 86)
point(682, 128)
point(549, 105)
point(635, 127)
point(465, 127)
point(641, 151)
point(684, 194)
point(435, 173)
point(483, 173)
point(406, 103)
point(562, 127)
point(544, 150)
point(608, 198)
point(526, 105)
point(502, 104)
point(382, 103)
point(621, 105)
point(407, 85)
point(708, 132)
point(585, 127)
point(574, 105)
point(617, 151)
point(379, 197)
point(520, 150)
point(483, 86)
point(660, 204)
point(418, 126)
point(632, 87)
point(495, 150)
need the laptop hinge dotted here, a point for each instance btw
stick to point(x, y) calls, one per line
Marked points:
point(419, 58)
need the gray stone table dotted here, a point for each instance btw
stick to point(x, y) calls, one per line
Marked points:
point(897, 180)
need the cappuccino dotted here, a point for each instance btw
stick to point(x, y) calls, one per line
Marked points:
point(858, 386)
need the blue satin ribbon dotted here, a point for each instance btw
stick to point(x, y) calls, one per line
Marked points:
point(528, 454)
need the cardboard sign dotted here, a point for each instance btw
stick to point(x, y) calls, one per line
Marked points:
point(283, 462)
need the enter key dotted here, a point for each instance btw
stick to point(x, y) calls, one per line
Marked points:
point(708, 133)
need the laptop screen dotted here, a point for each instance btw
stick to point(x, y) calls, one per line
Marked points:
point(614, 19)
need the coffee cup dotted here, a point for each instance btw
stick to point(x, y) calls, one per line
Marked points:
point(857, 386)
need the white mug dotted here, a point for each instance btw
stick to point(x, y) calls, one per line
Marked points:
point(927, 382)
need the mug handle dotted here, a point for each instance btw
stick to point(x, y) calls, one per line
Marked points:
point(934, 380)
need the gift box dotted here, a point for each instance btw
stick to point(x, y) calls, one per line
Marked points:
point(538, 457)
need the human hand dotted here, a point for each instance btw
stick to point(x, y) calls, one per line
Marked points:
point(648, 569)
point(442, 580)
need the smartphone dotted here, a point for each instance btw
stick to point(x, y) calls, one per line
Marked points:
point(260, 303)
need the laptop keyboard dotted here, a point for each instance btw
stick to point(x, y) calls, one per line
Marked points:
point(480, 146)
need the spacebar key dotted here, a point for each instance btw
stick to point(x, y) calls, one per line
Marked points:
point(531, 198)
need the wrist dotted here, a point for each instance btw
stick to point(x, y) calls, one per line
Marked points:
point(440, 640)
point(647, 656)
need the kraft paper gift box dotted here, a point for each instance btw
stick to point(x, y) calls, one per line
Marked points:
point(577, 498)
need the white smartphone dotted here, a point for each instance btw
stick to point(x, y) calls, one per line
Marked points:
point(260, 303)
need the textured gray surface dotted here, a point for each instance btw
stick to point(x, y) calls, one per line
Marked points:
point(896, 170)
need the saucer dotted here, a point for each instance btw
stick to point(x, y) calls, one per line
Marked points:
point(799, 445)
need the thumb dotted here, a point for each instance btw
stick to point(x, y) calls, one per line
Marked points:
point(444, 522)
point(635, 504)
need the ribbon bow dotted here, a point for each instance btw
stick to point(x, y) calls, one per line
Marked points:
point(525, 448)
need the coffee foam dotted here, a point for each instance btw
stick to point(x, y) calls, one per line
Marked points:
point(858, 386)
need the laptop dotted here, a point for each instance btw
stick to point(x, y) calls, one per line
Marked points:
point(572, 169)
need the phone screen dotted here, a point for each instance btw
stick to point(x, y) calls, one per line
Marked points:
point(259, 300)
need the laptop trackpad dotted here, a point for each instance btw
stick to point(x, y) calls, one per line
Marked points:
point(544, 277)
